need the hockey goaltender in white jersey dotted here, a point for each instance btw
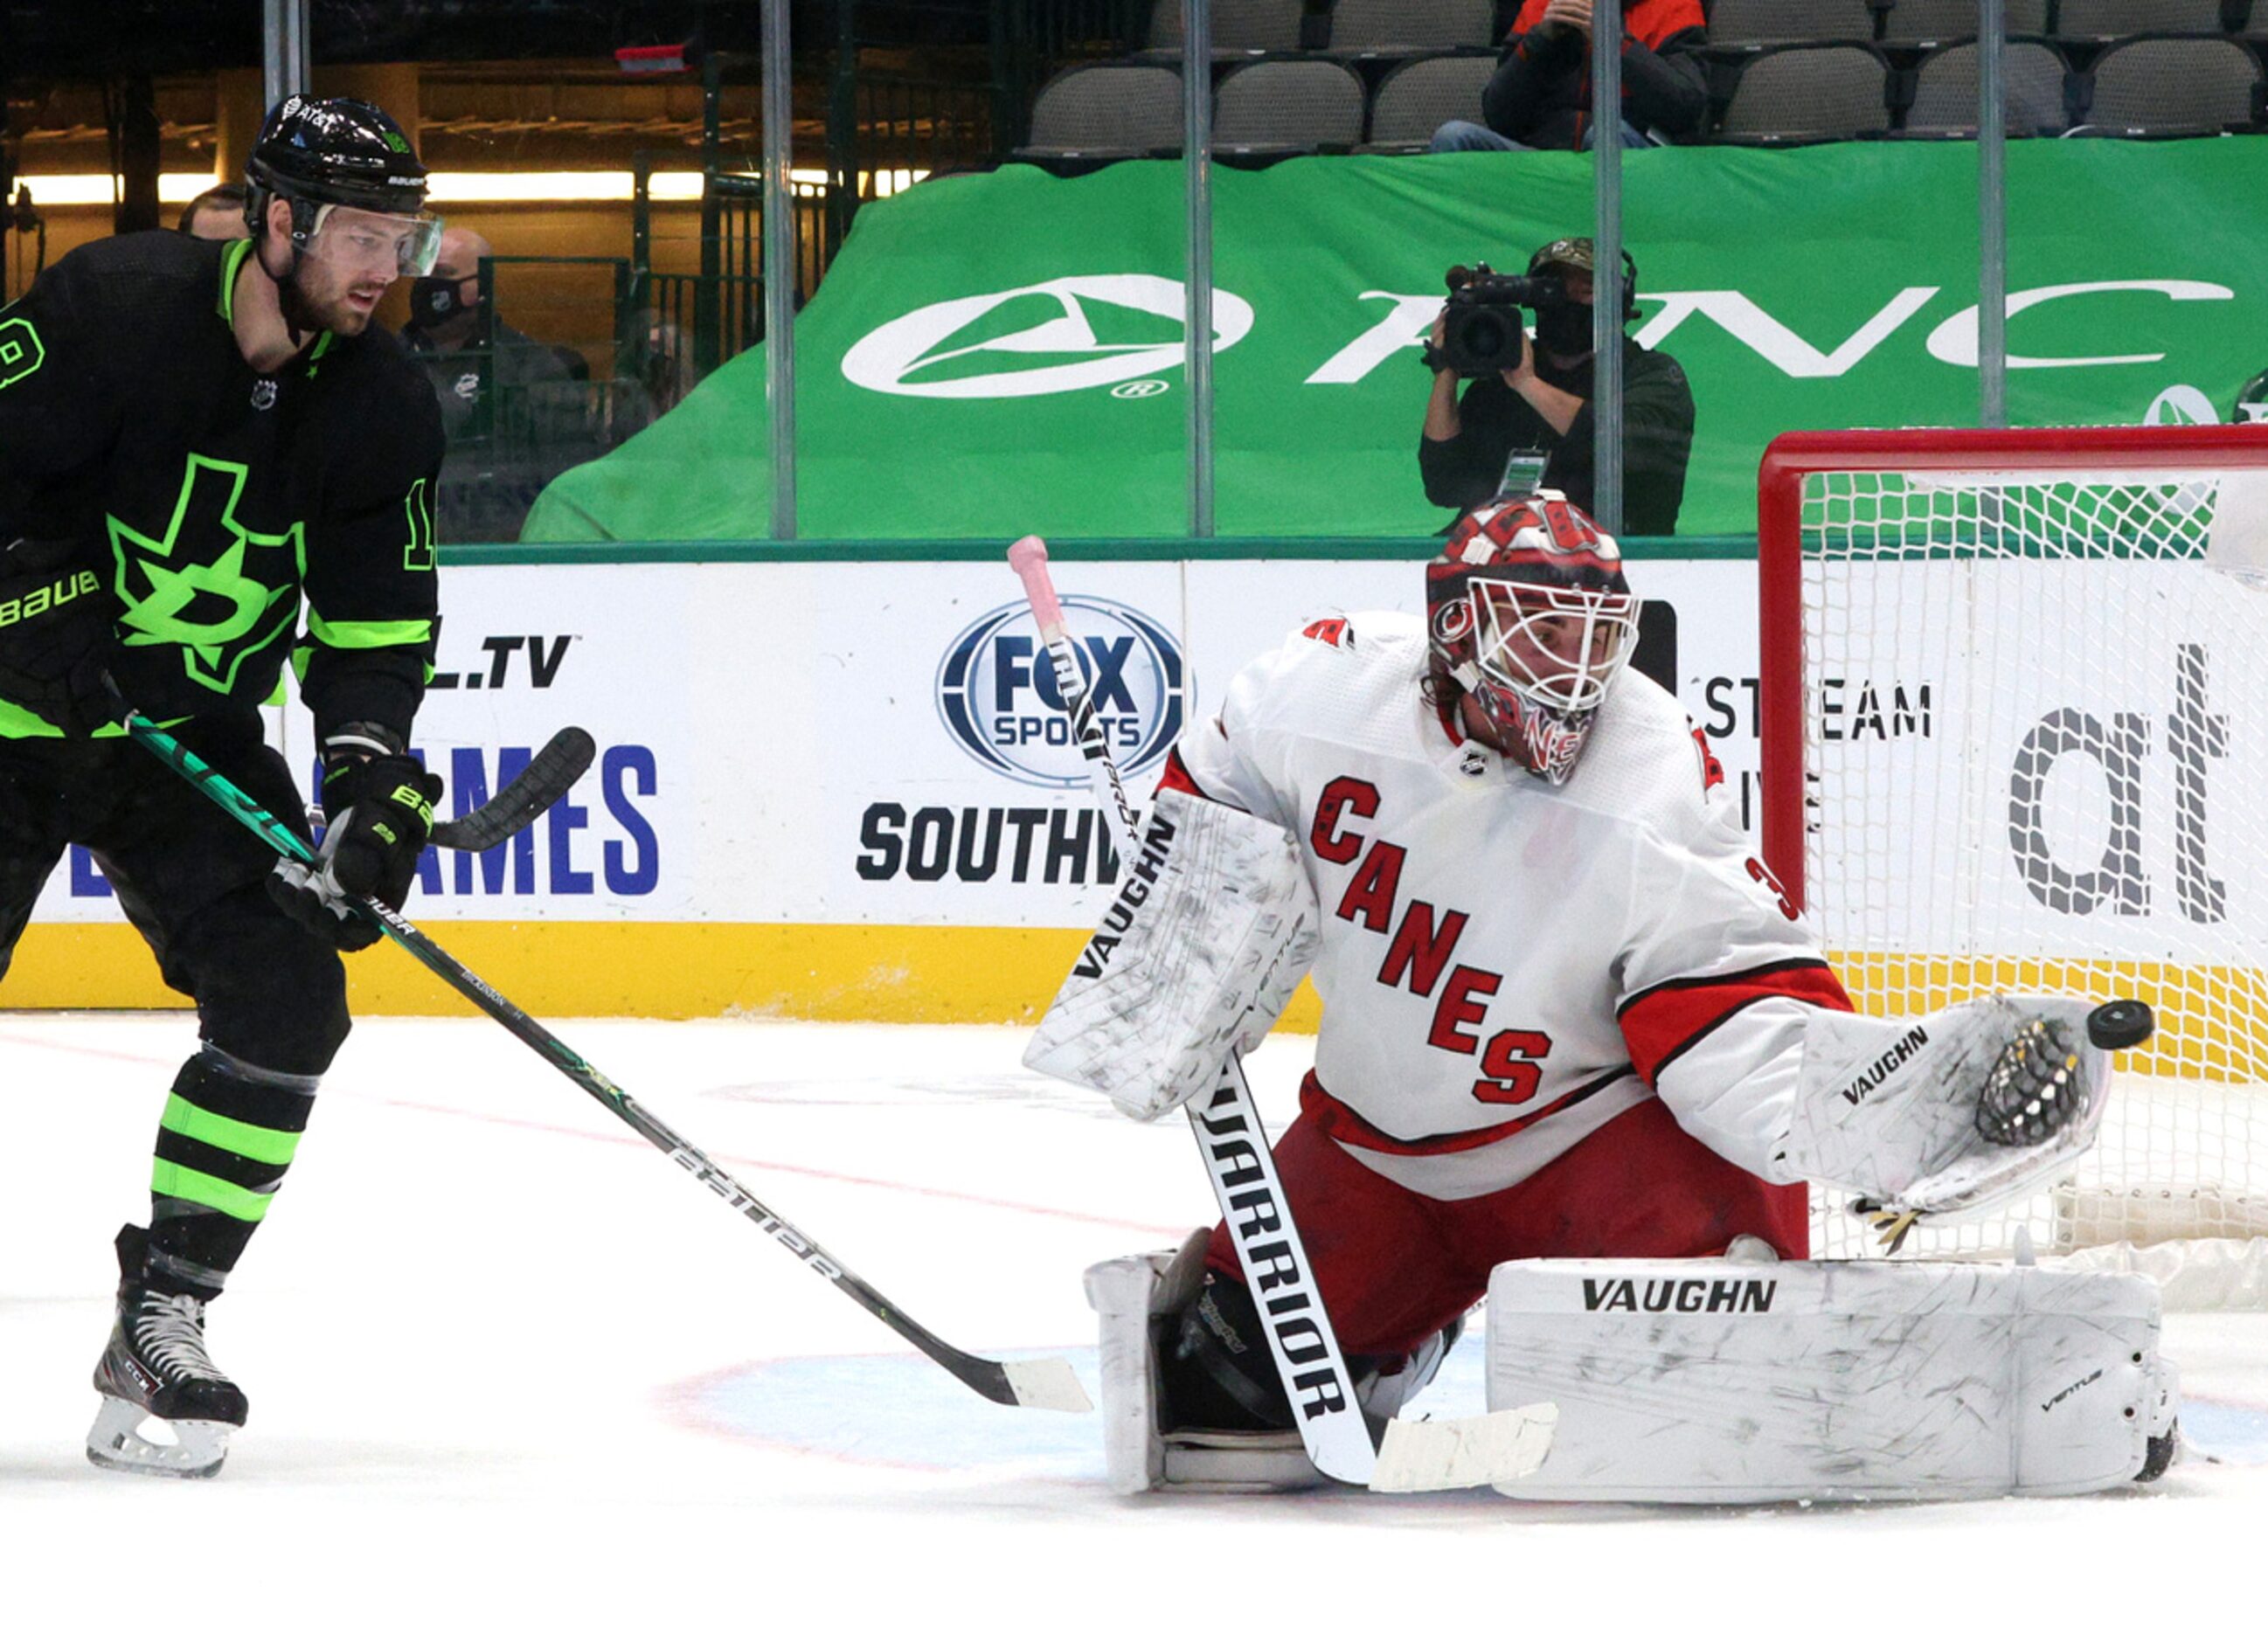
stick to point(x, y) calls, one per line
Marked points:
point(1568, 1016)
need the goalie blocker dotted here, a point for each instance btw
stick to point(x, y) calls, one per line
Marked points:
point(1212, 929)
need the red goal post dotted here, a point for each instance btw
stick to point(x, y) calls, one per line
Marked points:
point(2060, 639)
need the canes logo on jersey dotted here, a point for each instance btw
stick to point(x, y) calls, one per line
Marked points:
point(996, 690)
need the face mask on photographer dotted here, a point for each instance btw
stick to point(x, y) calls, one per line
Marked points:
point(1563, 329)
point(436, 300)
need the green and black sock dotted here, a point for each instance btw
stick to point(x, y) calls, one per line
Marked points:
point(227, 1137)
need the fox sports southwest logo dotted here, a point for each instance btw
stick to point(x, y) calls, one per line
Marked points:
point(996, 691)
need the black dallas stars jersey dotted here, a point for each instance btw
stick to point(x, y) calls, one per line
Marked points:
point(210, 498)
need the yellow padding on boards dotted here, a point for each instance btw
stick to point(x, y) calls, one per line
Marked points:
point(932, 974)
point(659, 971)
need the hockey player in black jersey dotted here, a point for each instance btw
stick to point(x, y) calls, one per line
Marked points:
point(196, 438)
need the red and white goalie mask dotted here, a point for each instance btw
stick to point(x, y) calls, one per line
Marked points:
point(1528, 611)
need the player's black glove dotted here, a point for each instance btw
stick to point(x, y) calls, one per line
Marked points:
point(55, 633)
point(378, 804)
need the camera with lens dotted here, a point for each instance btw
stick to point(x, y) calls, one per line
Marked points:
point(1482, 330)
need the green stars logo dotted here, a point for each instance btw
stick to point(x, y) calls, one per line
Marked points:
point(20, 350)
point(418, 554)
point(220, 592)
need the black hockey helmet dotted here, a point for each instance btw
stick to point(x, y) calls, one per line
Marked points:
point(333, 151)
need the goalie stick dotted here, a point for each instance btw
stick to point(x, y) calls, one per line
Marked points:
point(1411, 1457)
point(1048, 1383)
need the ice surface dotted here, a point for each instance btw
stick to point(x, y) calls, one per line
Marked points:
point(513, 1374)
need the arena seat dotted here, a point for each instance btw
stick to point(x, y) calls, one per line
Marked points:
point(1404, 27)
point(2171, 86)
point(1807, 94)
point(1751, 24)
point(1936, 22)
point(1418, 96)
point(2114, 20)
point(1238, 25)
point(2036, 94)
point(1106, 111)
point(1293, 105)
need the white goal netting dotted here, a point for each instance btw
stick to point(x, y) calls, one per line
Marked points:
point(2035, 758)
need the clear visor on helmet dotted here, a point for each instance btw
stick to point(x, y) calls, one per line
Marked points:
point(373, 242)
point(1558, 647)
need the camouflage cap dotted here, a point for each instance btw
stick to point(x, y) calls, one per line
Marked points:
point(1579, 256)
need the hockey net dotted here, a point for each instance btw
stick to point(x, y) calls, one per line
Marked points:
point(2016, 737)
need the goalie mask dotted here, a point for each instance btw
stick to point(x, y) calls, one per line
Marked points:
point(1527, 612)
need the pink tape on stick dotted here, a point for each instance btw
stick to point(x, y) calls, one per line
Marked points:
point(1028, 558)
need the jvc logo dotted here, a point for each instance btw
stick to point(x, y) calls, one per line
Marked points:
point(2194, 737)
point(997, 694)
point(544, 656)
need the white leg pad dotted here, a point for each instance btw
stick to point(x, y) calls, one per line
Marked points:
point(1127, 1294)
point(1717, 1381)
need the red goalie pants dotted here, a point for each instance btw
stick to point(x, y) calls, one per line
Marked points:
point(1395, 1267)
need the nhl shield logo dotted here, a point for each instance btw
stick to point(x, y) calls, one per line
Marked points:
point(263, 394)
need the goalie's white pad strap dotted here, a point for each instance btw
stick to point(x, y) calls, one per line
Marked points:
point(1709, 1380)
point(1213, 925)
point(1132, 1294)
point(1128, 1295)
point(1887, 1108)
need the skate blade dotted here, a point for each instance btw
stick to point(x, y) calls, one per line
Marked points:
point(117, 1443)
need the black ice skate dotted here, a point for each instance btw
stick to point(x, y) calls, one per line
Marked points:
point(156, 1368)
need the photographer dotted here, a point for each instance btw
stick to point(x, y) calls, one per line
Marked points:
point(1540, 96)
point(1540, 404)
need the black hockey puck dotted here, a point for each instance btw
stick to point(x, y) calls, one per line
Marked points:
point(2120, 1025)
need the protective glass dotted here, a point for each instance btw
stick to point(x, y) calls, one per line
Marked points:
point(397, 247)
point(1559, 647)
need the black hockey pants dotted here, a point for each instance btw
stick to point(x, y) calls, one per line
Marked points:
point(189, 878)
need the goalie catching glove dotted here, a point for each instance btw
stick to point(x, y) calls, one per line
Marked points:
point(1958, 1111)
point(378, 802)
point(1213, 925)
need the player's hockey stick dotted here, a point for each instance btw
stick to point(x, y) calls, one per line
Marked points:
point(543, 783)
point(1049, 1383)
point(548, 778)
point(1411, 1457)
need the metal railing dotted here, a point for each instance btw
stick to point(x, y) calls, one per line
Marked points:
point(904, 90)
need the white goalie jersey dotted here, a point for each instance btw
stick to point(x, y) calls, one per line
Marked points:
point(1507, 966)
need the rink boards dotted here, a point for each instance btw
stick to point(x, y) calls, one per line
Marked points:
point(836, 790)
